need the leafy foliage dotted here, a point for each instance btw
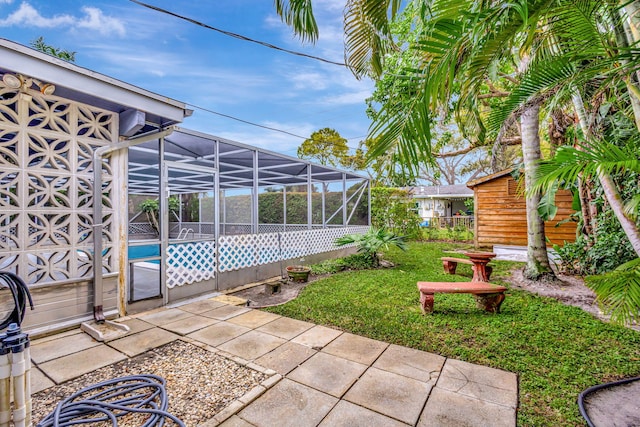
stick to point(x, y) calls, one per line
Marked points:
point(352, 262)
point(151, 207)
point(42, 46)
point(327, 147)
point(374, 240)
point(619, 291)
point(393, 209)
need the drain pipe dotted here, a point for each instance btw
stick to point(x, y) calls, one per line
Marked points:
point(98, 226)
point(15, 347)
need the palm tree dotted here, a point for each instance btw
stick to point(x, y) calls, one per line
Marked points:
point(371, 242)
point(461, 44)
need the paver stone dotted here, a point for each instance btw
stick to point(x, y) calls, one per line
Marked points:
point(330, 374)
point(289, 404)
point(390, 394)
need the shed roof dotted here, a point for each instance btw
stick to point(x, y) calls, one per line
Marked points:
point(488, 178)
point(83, 85)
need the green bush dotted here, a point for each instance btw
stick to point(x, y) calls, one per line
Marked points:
point(393, 209)
point(610, 249)
point(351, 262)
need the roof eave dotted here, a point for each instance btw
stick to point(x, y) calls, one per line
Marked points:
point(23, 60)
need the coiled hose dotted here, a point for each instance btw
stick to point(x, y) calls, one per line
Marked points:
point(585, 393)
point(21, 295)
point(108, 400)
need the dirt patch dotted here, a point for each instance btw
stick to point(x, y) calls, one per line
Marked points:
point(263, 296)
point(569, 290)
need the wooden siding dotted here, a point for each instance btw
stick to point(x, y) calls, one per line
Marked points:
point(500, 215)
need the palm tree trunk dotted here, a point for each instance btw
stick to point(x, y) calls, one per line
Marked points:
point(537, 257)
point(610, 190)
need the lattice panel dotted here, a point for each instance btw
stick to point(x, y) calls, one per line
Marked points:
point(250, 250)
point(190, 262)
point(46, 176)
point(247, 250)
point(141, 228)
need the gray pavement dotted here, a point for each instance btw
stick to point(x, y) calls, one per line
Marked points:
point(318, 376)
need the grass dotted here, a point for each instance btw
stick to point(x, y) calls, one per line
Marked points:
point(556, 350)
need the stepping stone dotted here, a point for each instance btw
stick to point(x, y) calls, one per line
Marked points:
point(52, 349)
point(317, 337)
point(190, 324)
point(74, 365)
point(285, 327)
point(135, 344)
point(390, 394)
point(230, 299)
point(330, 374)
point(254, 318)
point(252, 345)
point(480, 382)
point(289, 404)
point(39, 381)
point(412, 363)
point(285, 358)
point(201, 306)
point(225, 312)
point(346, 414)
point(449, 409)
point(163, 317)
point(218, 333)
point(353, 347)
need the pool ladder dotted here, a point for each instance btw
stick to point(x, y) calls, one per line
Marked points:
point(186, 232)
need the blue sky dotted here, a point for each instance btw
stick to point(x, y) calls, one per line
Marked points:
point(201, 67)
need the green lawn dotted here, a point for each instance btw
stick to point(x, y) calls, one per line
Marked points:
point(556, 350)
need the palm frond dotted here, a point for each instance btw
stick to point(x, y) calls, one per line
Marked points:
point(298, 14)
point(367, 34)
point(590, 160)
point(618, 292)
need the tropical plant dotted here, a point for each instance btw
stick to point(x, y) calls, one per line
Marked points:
point(462, 47)
point(151, 208)
point(619, 291)
point(371, 242)
point(42, 46)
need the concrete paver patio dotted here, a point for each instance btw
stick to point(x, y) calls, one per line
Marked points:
point(319, 376)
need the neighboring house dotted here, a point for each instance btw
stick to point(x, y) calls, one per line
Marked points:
point(440, 200)
point(500, 213)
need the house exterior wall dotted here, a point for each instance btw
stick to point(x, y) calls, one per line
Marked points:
point(434, 207)
point(46, 206)
point(500, 215)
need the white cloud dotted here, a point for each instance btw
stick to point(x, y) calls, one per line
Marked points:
point(26, 15)
point(6, 1)
point(94, 19)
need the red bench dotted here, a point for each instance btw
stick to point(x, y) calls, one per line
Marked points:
point(488, 296)
point(450, 264)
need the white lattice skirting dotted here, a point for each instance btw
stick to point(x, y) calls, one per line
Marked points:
point(193, 262)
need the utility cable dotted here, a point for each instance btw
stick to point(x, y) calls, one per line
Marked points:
point(245, 121)
point(21, 295)
point(237, 36)
point(111, 399)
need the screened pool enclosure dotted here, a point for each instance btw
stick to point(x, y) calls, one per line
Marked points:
point(230, 214)
point(180, 213)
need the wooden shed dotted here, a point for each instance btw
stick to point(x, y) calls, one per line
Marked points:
point(500, 213)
